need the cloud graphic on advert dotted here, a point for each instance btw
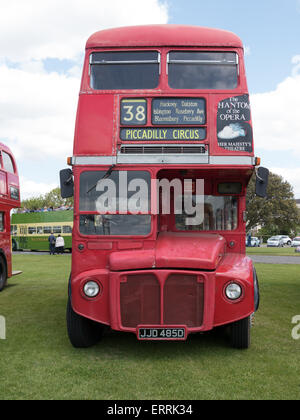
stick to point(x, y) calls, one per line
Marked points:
point(232, 131)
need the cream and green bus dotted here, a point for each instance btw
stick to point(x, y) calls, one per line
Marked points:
point(30, 231)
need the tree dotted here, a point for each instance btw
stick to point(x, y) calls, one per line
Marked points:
point(53, 199)
point(277, 213)
point(33, 203)
point(50, 199)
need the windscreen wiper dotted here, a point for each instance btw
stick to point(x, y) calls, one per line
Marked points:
point(106, 175)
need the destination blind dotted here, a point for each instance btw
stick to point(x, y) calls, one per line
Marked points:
point(157, 134)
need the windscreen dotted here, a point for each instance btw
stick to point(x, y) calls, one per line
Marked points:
point(117, 192)
point(203, 70)
point(115, 225)
point(220, 213)
point(124, 70)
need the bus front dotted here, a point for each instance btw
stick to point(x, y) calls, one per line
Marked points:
point(163, 153)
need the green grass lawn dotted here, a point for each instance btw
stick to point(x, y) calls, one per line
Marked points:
point(38, 362)
point(285, 251)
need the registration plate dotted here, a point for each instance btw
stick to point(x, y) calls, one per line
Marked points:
point(161, 333)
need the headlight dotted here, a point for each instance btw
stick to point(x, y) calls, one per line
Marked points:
point(233, 291)
point(91, 289)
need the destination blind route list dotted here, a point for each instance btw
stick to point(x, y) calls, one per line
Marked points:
point(178, 111)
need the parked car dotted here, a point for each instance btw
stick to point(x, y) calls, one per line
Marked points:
point(254, 241)
point(275, 241)
point(296, 241)
point(286, 240)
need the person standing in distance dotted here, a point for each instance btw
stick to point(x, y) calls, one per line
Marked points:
point(52, 241)
point(59, 245)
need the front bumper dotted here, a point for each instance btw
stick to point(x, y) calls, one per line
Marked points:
point(164, 298)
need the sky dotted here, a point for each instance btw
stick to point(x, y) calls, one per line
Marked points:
point(41, 55)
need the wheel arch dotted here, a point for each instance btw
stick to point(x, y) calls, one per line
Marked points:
point(256, 290)
point(2, 254)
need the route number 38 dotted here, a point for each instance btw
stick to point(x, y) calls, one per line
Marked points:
point(133, 112)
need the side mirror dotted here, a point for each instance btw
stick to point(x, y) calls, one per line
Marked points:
point(66, 183)
point(262, 177)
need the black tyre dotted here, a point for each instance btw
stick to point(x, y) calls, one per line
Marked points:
point(82, 332)
point(240, 333)
point(3, 274)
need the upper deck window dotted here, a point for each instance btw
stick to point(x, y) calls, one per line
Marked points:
point(203, 70)
point(7, 163)
point(124, 70)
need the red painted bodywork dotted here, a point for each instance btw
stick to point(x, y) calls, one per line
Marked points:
point(7, 180)
point(206, 261)
point(163, 35)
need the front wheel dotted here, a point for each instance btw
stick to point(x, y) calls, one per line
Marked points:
point(240, 333)
point(82, 331)
point(3, 274)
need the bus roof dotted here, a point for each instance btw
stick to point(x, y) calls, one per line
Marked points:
point(164, 35)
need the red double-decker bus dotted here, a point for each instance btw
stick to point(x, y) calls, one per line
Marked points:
point(9, 199)
point(163, 115)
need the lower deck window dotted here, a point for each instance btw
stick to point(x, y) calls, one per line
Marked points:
point(23, 230)
point(117, 224)
point(67, 229)
point(116, 190)
point(220, 213)
point(1, 222)
point(56, 229)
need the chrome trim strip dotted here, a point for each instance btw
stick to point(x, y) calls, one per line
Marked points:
point(165, 159)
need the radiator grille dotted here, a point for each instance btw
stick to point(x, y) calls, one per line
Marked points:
point(140, 300)
point(183, 300)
